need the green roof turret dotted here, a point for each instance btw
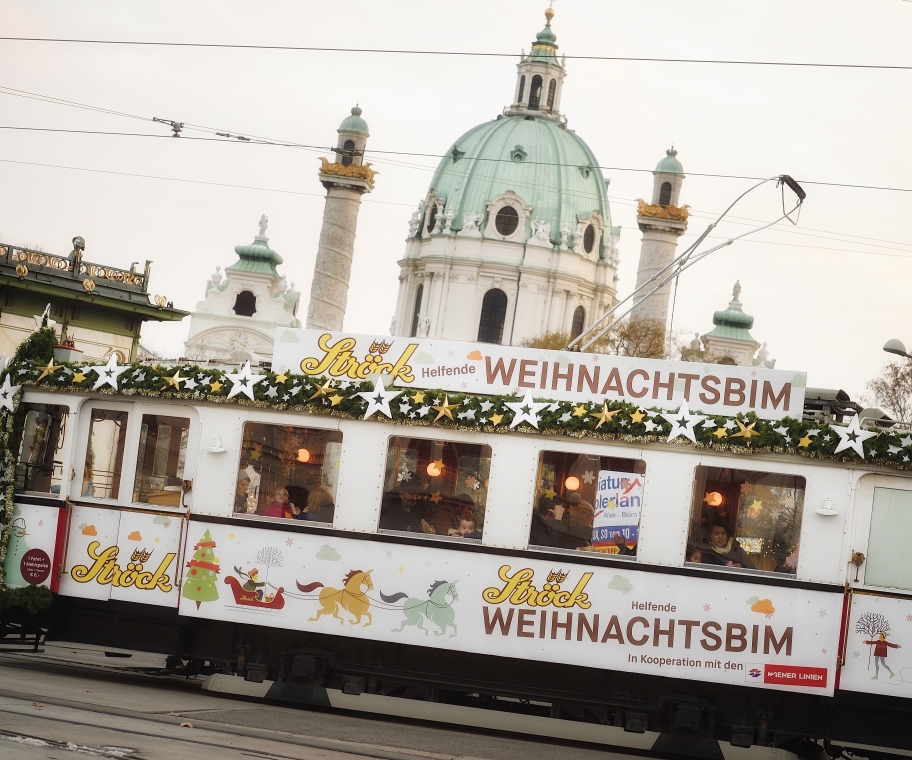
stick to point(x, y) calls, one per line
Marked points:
point(354, 123)
point(257, 257)
point(670, 164)
point(733, 323)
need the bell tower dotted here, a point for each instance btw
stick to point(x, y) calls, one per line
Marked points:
point(662, 222)
point(346, 179)
point(540, 77)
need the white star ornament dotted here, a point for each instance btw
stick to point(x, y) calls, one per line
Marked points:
point(243, 381)
point(683, 423)
point(852, 437)
point(526, 410)
point(378, 400)
point(108, 373)
point(7, 394)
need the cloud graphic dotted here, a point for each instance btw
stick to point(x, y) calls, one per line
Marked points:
point(328, 553)
point(562, 361)
point(88, 530)
point(475, 356)
point(753, 600)
point(135, 536)
point(763, 606)
point(162, 520)
point(423, 357)
point(620, 583)
point(289, 337)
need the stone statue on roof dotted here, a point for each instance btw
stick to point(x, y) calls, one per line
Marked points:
point(736, 291)
point(264, 220)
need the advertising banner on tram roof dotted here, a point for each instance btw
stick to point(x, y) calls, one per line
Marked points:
point(607, 617)
point(560, 375)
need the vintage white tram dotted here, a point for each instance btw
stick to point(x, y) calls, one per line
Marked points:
point(510, 538)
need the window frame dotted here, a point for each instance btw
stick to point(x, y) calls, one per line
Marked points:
point(458, 440)
point(481, 316)
point(698, 484)
point(69, 438)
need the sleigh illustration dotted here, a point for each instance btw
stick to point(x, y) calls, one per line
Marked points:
point(249, 598)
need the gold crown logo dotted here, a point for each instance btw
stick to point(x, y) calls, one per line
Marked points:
point(380, 347)
point(140, 555)
point(557, 577)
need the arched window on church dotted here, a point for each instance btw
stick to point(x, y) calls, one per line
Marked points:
point(493, 314)
point(245, 304)
point(589, 238)
point(535, 93)
point(552, 90)
point(522, 88)
point(348, 156)
point(418, 296)
point(665, 194)
point(431, 217)
point(579, 322)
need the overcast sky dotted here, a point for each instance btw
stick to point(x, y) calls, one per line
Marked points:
point(826, 294)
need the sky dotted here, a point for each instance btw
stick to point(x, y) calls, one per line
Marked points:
point(826, 294)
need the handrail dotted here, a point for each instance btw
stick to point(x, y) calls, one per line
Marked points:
point(26, 257)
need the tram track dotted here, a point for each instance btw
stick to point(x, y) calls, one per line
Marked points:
point(211, 732)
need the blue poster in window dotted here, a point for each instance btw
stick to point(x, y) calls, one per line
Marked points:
point(618, 502)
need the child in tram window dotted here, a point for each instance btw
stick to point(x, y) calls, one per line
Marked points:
point(694, 554)
point(280, 506)
point(320, 507)
point(724, 549)
point(468, 527)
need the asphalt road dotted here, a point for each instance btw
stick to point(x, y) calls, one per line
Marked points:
point(65, 711)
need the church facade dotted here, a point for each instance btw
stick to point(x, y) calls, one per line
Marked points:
point(514, 237)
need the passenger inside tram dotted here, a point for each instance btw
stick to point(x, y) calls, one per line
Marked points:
point(577, 502)
point(430, 486)
point(288, 472)
point(468, 527)
point(746, 519)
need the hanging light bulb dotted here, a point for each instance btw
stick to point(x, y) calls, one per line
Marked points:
point(572, 483)
point(435, 469)
point(303, 455)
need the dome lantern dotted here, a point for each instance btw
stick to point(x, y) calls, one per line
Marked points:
point(540, 77)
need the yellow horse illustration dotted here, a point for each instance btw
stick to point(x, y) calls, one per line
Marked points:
point(352, 598)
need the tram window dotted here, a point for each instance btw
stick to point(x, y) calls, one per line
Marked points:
point(160, 463)
point(742, 518)
point(888, 550)
point(288, 472)
point(41, 454)
point(435, 487)
point(587, 502)
point(104, 454)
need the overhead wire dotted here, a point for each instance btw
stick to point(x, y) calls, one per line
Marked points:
point(466, 53)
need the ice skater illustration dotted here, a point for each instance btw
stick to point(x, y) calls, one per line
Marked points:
point(881, 648)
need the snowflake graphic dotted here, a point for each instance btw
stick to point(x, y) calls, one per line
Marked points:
point(451, 354)
point(856, 655)
point(401, 569)
point(403, 475)
point(588, 477)
point(41, 523)
point(427, 564)
point(595, 358)
point(289, 542)
point(823, 651)
point(389, 554)
point(625, 484)
point(465, 385)
point(908, 617)
point(707, 607)
point(822, 613)
point(472, 482)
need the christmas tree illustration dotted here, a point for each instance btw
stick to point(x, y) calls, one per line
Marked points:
point(199, 585)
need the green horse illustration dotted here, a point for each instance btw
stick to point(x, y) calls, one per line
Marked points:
point(437, 608)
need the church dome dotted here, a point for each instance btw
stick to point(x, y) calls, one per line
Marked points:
point(547, 165)
point(670, 164)
point(354, 123)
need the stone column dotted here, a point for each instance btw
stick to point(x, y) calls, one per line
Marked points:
point(660, 240)
point(329, 290)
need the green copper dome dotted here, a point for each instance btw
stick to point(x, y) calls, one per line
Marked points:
point(670, 164)
point(539, 159)
point(257, 257)
point(733, 324)
point(354, 123)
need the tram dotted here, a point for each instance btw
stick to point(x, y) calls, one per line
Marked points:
point(657, 555)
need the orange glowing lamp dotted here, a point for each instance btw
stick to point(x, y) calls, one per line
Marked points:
point(303, 455)
point(572, 483)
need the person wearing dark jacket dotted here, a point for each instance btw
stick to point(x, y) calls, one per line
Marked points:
point(724, 549)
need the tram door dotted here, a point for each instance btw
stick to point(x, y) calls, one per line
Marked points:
point(877, 638)
point(130, 501)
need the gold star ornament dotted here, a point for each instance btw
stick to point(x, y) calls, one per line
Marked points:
point(580, 411)
point(720, 433)
point(322, 390)
point(445, 409)
point(281, 378)
point(336, 399)
point(745, 431)
point(436, 497)
point(418, 398)
point(637, 416)
point(496, 419)
point(49, 369)
point(603, 415)
point(78, 377)
point(215, 387)
point(175, 380)
point(804, 442)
